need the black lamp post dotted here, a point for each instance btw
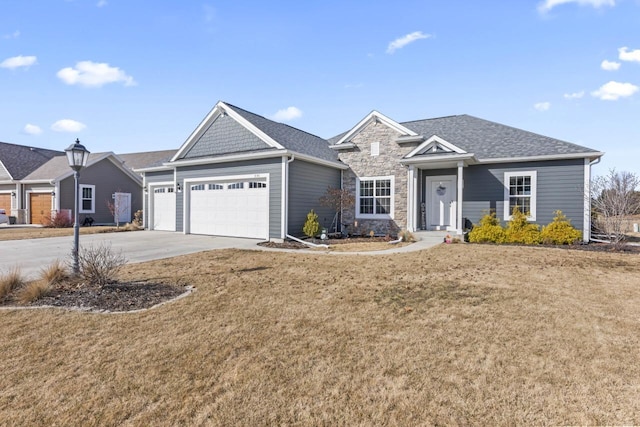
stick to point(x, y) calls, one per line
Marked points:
point(77, 156)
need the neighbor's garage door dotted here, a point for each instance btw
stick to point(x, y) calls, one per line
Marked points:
point(5, 202)
point(164, 209)
point(39, 207)
point(238, 208)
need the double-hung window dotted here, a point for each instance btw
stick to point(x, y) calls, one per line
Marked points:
point(87, 198)
point(520, 193)
point(374, 198)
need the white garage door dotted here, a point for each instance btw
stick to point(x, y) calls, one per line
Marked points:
point(238, 208)
point(164, 209)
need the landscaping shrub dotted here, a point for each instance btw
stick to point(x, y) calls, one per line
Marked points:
point(11, 281)
point(55, 273)
point(311, 226)
point(99, 265)
point(560, 231)
point(488, 231)
point(520, 231)
point(57, 220)
point(406, 236)
point(33, 291)
point(137, 218)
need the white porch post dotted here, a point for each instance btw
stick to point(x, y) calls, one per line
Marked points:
point(459, 221)
point(411, 199)
point(586, 221)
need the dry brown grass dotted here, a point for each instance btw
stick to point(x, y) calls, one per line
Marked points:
point(459, 334)
point(20, 233)
point(55, 273)
point(11, 281)
point(33, 290)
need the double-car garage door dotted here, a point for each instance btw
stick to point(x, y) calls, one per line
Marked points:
point(237, 207)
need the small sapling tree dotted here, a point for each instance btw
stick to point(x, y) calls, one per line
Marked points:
point(337, 199)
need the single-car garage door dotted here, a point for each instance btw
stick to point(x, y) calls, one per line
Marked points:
point(5, 202)
point(238, 208)
point(164, 208)
point(39, 208)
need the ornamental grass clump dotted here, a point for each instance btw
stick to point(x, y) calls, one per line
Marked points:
point(519, 230)
point(560, 231)
point(11, 281)
point(488, 231)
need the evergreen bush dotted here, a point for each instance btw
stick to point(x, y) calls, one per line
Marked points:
point(311, 226)
point(520, 231)
point(488, 231)
point(560, 231)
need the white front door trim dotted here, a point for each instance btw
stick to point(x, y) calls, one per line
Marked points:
point(443, 211)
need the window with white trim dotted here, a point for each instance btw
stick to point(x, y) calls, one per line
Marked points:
point(374, 197)
point(87, 198)
point(520, 193)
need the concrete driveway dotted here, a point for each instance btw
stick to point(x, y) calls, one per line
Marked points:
point(33, 254)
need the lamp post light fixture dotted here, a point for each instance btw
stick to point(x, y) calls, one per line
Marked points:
point(77, 155)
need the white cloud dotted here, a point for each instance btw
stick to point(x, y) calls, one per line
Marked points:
point(102, 3)
point(575, 95)
point(68, 125)
point(19, 61)
point(287, 114)
point(610, 65)
point(30, 129)
point(547, 5)
point(626, 55)
point(401, 42)
point(614, 90)
point(94, 74)
point(13, 35)
point(542, 106)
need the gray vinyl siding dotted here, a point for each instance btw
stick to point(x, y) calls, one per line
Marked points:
point(108, 179)
point(560, 186)
point(271, 166)
point(307, 183)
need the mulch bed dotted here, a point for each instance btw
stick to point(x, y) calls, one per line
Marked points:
point(114, 297)
point(292, 244)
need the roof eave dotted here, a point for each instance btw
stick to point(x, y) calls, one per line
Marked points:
point(593, 155)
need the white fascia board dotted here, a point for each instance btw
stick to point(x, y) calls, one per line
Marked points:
point(209, 118)
point(219, 109)
point(435, 139)
point(380, 117)
point(409, 139)
point(250, 127)
point(153, 169)
point(591, 155)
point(343, 146)
point(253, 156)
point(440, 158)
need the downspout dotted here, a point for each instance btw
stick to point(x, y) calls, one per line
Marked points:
point(285, 197)
point(145, 194)
point(586, 227)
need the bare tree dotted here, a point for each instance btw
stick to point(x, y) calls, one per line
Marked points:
point(337, 199)
point(613, 199)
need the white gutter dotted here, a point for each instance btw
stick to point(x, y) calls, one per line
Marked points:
point(597, 154)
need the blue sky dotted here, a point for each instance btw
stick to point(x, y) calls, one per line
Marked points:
point(128, 76)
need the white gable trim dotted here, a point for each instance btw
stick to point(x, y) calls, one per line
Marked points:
point(220, 109)
point(6, 170)
point(435, 141)
point(380, 118)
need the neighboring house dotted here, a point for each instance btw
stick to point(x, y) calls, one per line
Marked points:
point(240, 174)
point(38, 183)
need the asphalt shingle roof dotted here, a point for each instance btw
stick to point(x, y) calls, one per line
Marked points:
point(289, 137)
point(147, 159)
point(56, 167)
point(20, 160)
point(487, 139)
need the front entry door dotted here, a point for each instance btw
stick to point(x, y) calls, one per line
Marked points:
point(441, 202)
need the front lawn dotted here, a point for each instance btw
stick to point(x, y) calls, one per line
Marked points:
point(458, 334)
point(16, 232)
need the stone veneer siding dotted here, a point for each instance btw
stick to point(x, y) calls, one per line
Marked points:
point(387, 163)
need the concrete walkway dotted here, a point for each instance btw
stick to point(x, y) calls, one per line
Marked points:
point(31, 255)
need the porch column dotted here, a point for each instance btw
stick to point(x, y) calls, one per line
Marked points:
point(411, 199)
point(459, 220)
